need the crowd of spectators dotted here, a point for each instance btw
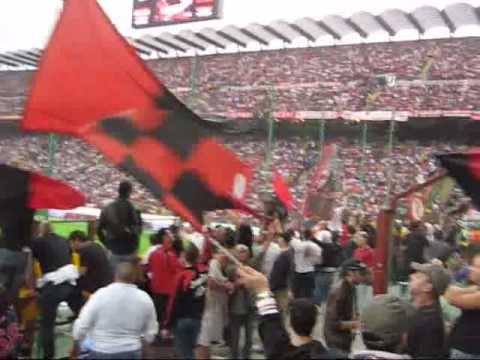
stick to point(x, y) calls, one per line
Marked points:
point(430, 75)
point(364, 174)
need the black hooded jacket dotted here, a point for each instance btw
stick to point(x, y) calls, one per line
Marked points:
point(278, 346)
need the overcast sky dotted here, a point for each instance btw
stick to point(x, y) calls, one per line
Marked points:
point(26, 24)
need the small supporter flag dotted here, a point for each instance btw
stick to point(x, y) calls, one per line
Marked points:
point(21, 193)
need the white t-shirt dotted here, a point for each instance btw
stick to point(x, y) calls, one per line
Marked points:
point(336, 222)
point(116, 319)
point(307, 255)
point(324, 236)
point(271, 255)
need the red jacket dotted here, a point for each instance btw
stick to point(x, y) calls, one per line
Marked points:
point(164, 265)
point(365, 255)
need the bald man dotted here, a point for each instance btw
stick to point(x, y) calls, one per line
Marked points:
point(117, 318)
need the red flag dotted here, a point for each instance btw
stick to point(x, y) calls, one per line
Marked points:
point(21, 192)
point(47, 193)
point(92, 85)
point(282, 190)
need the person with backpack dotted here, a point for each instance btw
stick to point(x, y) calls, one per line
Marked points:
point(332, 254)
point(120, 226)
point(282, 272)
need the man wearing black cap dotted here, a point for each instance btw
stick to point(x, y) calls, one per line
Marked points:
point(426, 336)
point(120, 226)
point(341, 318)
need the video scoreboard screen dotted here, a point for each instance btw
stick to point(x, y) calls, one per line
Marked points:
point(148, 13)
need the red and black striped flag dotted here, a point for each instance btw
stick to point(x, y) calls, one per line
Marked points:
point(21, 192)
point(465, 169)
point(91, 84)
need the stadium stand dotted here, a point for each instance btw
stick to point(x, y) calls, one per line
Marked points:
point(430, 75)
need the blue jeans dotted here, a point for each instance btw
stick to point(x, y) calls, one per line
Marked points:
point(457, 354)
point(134, 355)
point(186, 334)
point(323, 282)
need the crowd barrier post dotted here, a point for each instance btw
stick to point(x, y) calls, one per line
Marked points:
point(383, 251)
point(193, 80)
point(381, 268)
point(321, 137)
point(271, 123)
point(52, 149)
point(364, 150)
point(391, 133)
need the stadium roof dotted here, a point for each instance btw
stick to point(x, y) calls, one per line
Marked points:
point(426, 22)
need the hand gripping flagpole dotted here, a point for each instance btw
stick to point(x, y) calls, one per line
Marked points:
point(222, 248)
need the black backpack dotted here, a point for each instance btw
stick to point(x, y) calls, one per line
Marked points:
point(332, 254)
point(122, 232)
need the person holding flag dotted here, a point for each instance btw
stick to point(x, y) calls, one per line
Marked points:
point(142, 129)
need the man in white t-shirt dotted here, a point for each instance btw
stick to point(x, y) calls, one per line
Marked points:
point(266, 250)
point(307, 254)
point(117, 318)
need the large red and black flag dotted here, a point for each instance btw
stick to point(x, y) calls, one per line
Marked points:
point(91, 84)
point(21, 193)
point(465, 169)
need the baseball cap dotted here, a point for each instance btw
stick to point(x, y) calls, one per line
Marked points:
point(439, 277)
point(384, 320)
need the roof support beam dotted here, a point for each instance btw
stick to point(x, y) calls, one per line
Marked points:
point(329, 30)
point(446, 19)
point(357, 28)
point(26, 57)
point(169, 44)
point(16, 57)
point(10, 57)
point(385, 25)
point(189, 42)
point(34, 54)
point(151, 46)
point(231, 38)
point(8, 63)
point(277, 34)
point(254, 36)
point(141, 51)
point(209, 40)
point(302, 32)
point(415, 23)
point(477, 13)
